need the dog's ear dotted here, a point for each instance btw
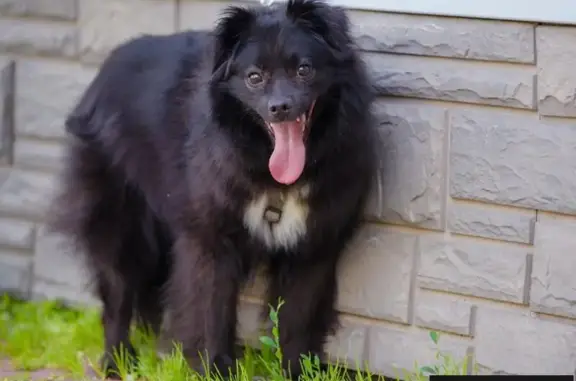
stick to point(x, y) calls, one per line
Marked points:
point(229, 32)
point(83, 122)
point(326, 21)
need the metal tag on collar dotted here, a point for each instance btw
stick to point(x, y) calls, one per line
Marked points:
point(273, 211)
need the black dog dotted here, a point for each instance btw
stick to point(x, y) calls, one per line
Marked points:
point(198, 157)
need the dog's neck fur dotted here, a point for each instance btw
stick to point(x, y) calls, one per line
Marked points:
point(278, 217)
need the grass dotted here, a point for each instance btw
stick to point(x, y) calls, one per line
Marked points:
point(47, 334)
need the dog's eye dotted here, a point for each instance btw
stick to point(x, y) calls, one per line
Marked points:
point(304, 70)
point(255, 79)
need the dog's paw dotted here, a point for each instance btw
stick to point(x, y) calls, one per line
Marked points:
point(113, 366)
point(221, 366)
point(224, 365)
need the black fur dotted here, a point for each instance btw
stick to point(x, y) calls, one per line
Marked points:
point(169, 145)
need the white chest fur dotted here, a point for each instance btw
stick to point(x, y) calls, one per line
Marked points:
point(291, 226)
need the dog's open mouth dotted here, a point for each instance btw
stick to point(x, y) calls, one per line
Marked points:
point(288, 159)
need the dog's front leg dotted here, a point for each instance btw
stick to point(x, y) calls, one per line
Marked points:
point(203, 301)
point(307, 317)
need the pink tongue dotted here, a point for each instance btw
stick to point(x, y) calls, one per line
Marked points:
point(289, 156)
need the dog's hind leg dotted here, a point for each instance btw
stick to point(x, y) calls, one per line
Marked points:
point(117, 297)
point(149, 310)
point(149, 304)
point(111, 237)
point(132, 289)
point(154, 247)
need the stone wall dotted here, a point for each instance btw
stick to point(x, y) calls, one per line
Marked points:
point(471, 231)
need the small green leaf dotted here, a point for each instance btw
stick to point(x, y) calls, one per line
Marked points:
point(427, 369)
point(273, 315)
point(434, 336)
point(267, 341)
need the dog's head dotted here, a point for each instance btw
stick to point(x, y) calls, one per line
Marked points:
point(277, 62)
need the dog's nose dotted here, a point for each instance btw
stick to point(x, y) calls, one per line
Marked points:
point(279, 108)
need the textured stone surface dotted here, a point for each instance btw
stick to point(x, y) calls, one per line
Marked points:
point(37, 154)
point(56, 9)
point(347, 346)
point(392, 350)
point(373, 207)
point(556, 62)
point(553, 275)
point(106, 23)
point(55, 262)
point(438, 72)
point(7, 89)
point(473, 267)
point(201, 14)
point(25, 193)
point(444, 312)
point(15, 273)
point(490, 221)
point(37, 37)
point(444, 36)
point(456, 80)
point(42, 289)
point(412, 163)
point(38, 112)
point(518, 343)
point(376, 276)
point(58, 272)
point(18, 234)
point(513, 158)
